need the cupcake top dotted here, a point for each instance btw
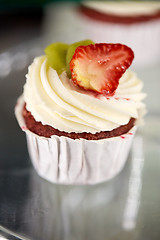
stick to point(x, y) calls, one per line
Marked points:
point(123, 8)
point(129, 12)
point(84, 87)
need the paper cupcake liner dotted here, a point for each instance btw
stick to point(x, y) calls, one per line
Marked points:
point(142, 37)
point(68, 161)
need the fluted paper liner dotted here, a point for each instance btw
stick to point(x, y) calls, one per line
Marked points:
point(68, 161)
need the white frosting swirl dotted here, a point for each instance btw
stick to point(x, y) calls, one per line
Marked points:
point(55, 101)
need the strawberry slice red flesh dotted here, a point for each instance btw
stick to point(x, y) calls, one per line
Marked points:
point(98, 67)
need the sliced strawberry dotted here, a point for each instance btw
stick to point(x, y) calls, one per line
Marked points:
point(98, 67)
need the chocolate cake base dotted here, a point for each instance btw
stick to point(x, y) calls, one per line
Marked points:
point(47, 131)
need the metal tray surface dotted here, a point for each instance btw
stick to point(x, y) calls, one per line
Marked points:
point(126, 207)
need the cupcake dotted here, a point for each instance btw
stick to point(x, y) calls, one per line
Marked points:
point(136, 24)
point(80, 109)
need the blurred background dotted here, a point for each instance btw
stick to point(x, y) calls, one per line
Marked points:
point(26, 28)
